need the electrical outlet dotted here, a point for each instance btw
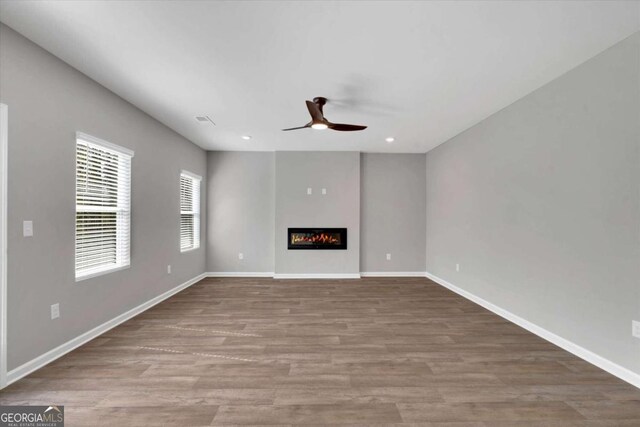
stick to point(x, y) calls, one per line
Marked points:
point(55, 311)
point(309, 191)
point(169, 269)
point(457, 267)
point(388, 257)
point(240, 255)
point(635, 328)
point(27, 228)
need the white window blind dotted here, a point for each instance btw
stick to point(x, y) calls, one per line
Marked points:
point(103, 206)
point(189, 211)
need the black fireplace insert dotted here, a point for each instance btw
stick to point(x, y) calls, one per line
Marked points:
point(317, 238)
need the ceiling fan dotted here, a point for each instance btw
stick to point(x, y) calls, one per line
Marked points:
point(318, 120)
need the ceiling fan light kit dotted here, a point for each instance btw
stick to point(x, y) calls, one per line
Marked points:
point(319, 122)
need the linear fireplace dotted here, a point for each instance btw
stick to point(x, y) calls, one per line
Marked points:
point(317, 238)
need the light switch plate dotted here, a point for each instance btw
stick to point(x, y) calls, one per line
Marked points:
point(55, 311)
point(309, 190)
point(240, 255)
point(169, 269)
point(457, 267)
point(324, 191)
point(27, 228)
point(388, 257)
point(635, 328)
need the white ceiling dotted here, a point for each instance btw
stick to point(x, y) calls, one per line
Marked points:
point(419, 71)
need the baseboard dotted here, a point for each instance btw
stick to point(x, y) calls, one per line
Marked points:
point(61, 350)
point(392, 273)
point(317, 276)
point(587, 355)
point(239, 274)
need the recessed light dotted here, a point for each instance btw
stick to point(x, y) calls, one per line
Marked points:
point(246, 137)
point(390, 139)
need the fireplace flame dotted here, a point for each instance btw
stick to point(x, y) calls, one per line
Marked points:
point(323, 238)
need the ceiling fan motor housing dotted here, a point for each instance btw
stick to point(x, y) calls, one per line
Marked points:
point(320, 100)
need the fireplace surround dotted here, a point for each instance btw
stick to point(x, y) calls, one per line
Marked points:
point(316, 238)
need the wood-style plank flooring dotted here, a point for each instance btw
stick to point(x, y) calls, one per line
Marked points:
point(392, 351)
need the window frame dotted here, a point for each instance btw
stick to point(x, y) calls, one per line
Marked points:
point(196, 213)
point(125, 208)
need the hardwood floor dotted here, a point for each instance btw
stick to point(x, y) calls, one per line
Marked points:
point(376, 351)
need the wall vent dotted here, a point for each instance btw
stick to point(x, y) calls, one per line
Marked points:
point(204, 120)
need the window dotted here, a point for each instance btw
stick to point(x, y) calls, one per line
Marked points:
point(103, 206)
point(189, 211)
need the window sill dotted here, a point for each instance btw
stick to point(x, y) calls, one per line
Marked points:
point(189, 250)
point(101, 272)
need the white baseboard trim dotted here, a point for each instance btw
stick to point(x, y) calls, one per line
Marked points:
point(587, 355)
point(239, 274)
point(392, 273)
point(317, 276)
point(48, 357)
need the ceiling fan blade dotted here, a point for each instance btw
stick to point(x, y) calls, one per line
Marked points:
point(316, 113)
point(301, 127)
point(345, 128)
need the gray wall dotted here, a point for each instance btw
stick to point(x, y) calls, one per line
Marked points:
point(241, 210)
point(392, 208)
point(241, 198)
point(48, 102)
point(539, 204)
point(339, 173)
